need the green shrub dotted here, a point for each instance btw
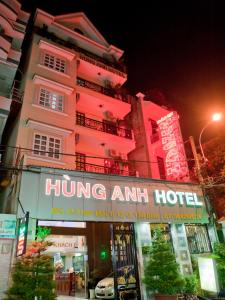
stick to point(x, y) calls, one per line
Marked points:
point(162, 272)
point(191, 285)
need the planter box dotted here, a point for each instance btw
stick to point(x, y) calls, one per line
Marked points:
point(166, 297)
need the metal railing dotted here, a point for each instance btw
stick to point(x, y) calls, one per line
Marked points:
point(92, 168)
point(100, 89)
point(16, 95)
point(103, 126)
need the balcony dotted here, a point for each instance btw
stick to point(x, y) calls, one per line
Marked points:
point(16, 95)
point(87, 167)
point(103, 126)
point(5, 45)
point(106, 91)
point(97, 61)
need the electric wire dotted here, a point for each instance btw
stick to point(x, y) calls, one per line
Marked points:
point(23, 149)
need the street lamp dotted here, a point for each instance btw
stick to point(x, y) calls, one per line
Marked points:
point(215, 118)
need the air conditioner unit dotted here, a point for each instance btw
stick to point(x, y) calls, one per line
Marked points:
point(109, 115)
point(123, 156)
point(77, 138)
point(112, 152)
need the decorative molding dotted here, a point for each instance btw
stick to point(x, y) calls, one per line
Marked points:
point(54, 71)
point(50, 110)
point(46, 127)
point(56, 50)
point(53, 84)
point(53, 161)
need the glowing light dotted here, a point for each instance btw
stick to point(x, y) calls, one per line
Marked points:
point(175, 159)
point(216, 117)
point(67, 177)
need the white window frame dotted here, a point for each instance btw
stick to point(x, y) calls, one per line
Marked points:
point(47, 147)
point(57, 60)
point(51, 92)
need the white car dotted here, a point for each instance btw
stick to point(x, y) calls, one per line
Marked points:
point(105, 288)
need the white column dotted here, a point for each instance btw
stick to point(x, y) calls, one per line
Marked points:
point(143, 235)
point(181, 249)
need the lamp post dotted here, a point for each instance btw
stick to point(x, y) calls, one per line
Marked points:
point(215, 118)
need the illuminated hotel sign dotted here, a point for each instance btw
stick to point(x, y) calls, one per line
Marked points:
point(22, 235)
point(97, 197)
point(70, 188)
point(175, 158)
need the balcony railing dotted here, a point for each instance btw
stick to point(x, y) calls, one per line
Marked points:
point(16, 95)
point(100, 63)
point(100, 89)
point(86, 167)
point(103, 126)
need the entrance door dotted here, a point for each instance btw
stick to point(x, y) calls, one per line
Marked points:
point(124, 257)
point(69, 254)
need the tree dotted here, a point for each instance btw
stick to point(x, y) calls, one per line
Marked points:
point(162, 272)
point(215, 152)
point(33, 273)
point(214, 171)
point(219, 255)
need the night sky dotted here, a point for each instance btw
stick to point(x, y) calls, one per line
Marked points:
point(176, 47)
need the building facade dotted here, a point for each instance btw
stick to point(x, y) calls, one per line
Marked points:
point(13, 23)
point(102, 169)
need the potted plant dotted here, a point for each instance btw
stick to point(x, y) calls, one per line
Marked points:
point(162, 274)
point(191, 288)
point(92, 282)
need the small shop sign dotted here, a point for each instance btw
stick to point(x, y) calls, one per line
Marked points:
point(22, 235)
point(7, 226)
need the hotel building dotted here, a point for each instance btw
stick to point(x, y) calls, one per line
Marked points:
point(101, 168)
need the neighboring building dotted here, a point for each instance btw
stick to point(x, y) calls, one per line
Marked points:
point(81, 160)
point(13, 22)
point(159, 151)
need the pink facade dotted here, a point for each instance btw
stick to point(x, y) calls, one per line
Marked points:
point(75, 114)
point(159, 149)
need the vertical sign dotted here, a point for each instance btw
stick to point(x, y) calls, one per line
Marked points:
point(22, 235)
point(175, 158)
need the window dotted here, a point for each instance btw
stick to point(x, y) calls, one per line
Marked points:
point(198, 240)
point(162, 171)
point(155, 131)
point(55, 63)
point(80, 161)
point(154, 126)
point(165, 229)
point(80, 118)
point(111, 166)
point(51, 100)
point(78, 30)
point(47, 146)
